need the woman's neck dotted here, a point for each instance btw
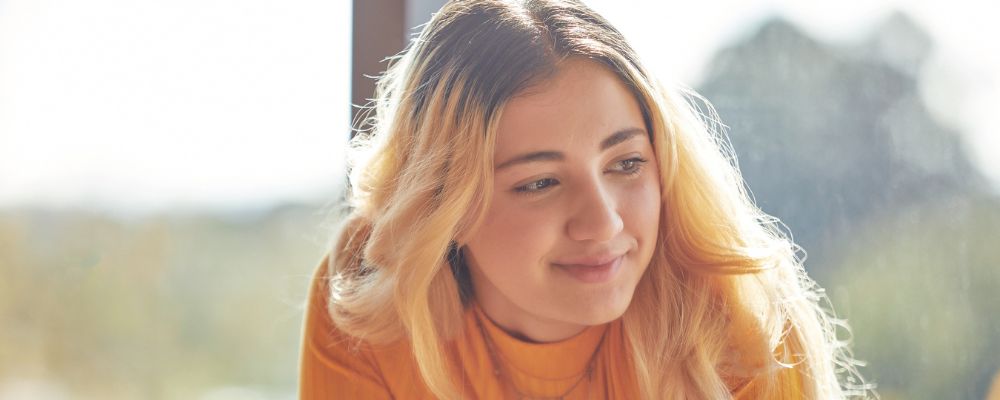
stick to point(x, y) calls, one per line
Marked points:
point(524, 325)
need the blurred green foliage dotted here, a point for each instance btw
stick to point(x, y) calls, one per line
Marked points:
point(166, 307)
point(921, 291)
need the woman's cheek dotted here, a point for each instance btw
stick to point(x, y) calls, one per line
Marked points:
point(642, 207)
point(525, 234)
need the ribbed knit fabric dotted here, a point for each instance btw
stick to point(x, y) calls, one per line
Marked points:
point(333, 366)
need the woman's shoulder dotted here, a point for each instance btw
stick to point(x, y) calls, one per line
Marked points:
point(334, 362)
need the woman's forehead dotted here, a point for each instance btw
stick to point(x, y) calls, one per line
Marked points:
point(583, 102)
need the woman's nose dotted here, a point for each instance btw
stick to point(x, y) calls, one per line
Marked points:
point(596, 216)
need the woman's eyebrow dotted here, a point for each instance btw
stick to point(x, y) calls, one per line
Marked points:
point(609, 142)
point(620, 136)
point(531, 157)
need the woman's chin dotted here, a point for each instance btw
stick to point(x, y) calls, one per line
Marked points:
point(599, 313)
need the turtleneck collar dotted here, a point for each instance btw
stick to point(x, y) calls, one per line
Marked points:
point(555, 360)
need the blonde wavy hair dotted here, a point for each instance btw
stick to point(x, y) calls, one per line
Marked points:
point(725, 296)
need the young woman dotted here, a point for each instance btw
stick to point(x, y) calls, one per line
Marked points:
point(532, 216)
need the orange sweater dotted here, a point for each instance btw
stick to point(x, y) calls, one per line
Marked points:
point(331, 369)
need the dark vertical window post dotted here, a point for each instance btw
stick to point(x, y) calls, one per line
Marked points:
point(378, 31)
point(381, 28)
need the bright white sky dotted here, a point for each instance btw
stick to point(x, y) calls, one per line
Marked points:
point(144, 105)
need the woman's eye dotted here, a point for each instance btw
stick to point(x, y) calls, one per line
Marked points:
point(631, 166)
point(536, 186)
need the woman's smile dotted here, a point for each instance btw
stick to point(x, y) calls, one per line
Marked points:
point(593, 271)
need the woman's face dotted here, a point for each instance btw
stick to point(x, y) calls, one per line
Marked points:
point(575, 208)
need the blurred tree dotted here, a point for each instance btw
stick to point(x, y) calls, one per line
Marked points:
point(837, 143)
point(828, 137)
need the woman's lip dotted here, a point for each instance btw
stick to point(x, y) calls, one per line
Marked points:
point(589, 261)
point(593, 273)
